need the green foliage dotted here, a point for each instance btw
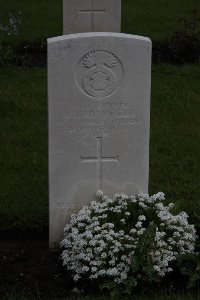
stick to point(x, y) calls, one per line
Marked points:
point(40, 19)
point(185, 43)
point(189, 265)
point(141, 261)
point(116, 291)
point(7, 54)
point(8, 33)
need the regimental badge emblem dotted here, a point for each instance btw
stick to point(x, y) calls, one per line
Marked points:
point(99, 73)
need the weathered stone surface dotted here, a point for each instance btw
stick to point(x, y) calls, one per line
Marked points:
point(99, 114)
point(91, 16)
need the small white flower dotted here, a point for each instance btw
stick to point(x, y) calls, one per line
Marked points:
point(112, 262)
point(99, 194)
point(127, 213)
point(141, 218)
point(141, 204)
point(103, 255)
point(76, 277)
point(101, 272)
point(85, 269)
point(93, 269)
point(138, 224)
point(141, 231)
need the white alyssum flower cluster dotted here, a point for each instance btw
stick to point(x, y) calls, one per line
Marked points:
point(101, 239)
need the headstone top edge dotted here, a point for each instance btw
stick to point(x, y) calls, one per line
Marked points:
point(97, 34)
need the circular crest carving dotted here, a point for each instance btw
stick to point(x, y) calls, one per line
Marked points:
point(99, 73)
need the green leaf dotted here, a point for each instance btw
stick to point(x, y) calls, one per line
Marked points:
point(135, 264)
point(188, 263)
point(108, 285)
point(193, 280)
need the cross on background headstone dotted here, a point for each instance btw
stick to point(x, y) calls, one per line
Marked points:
point(99, 159)
point(92, 11)
point(91, 15)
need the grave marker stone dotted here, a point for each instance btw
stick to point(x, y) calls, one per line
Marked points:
point(99, 114)
point(91, 15)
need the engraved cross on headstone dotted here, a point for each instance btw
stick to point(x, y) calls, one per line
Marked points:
point(92, 12)
point(91, 15)
point(99, 159)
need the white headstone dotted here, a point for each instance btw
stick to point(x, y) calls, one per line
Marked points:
point(91, 15)
point(99, 115)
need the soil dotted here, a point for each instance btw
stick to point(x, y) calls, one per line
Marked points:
point(26, 265)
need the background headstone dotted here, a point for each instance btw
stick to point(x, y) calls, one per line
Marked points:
point(91, 16)
point(99, 115)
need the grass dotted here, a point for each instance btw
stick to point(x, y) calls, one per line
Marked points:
point(155, 19)
point(175, 136)
point(155, 297)
point(174, 147)
point(43, 18)
point(23, 155)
